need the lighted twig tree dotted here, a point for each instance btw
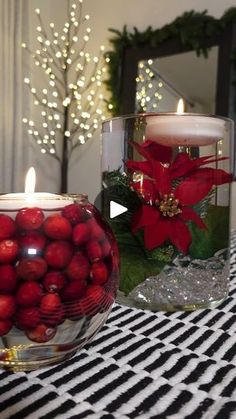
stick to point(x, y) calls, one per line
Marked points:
point(71, 102)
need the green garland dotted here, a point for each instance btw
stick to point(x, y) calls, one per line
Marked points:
point(192, 28)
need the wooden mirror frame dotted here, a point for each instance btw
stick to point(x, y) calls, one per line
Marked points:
point(193, 31)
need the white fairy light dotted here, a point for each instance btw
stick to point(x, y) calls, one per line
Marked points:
point(67, 99)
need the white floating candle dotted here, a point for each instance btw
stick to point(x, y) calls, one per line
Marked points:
point(44, 200)
point(184, 129)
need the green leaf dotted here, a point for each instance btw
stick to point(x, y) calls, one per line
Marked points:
point(206, 242)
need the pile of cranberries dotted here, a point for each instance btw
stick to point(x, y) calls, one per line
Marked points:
point(53, 267)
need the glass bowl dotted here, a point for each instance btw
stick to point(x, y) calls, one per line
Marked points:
point(59, 270)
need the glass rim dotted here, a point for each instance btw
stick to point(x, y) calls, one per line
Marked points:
point(156, 114)
point(42, 196)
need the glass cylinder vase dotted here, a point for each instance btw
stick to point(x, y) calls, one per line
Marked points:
point(58, 277)
point(170, 175)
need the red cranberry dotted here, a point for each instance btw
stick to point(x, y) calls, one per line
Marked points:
point(96, 231)
point(99, 273)
point(54, 281)
point(32, 240)
point(29, 293)
point(7, 227)
point(42, 333)
point(57, 227)
point(5, 327)
point(52, 310)
point(7, 278)
point(73, 290)
point(58, 254)
point(96, 292)
point(55, 318)
point(27, 317)
point(31, 268)
point(7, 306)
point(78, 268)
point(94, 251)
point(29, 218)
point(8, 251)
point(49, 303)
point(106, 247)
point(80, 234)
point(74, 213)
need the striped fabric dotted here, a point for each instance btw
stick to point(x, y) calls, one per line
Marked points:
point(145, 365)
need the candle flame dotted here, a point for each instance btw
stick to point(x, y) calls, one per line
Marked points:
point(30, 181)
point(180, 106)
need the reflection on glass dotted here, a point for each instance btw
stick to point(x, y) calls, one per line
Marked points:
point(161, 82)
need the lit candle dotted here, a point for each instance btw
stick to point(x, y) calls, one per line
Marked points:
point(30, 198)
point(180, 106)
point(184, 129)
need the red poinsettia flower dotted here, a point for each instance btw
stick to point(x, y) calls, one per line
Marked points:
point(153, 151)
point(165, 216)
point(167, 208)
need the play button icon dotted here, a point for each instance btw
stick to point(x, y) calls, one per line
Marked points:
point(116, 209)
point(111, 203)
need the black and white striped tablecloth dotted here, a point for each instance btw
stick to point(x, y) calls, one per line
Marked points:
point(179, 365)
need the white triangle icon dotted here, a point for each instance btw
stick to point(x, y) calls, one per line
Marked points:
point(116, 209)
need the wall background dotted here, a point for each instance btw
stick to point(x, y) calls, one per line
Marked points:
point(84, 174)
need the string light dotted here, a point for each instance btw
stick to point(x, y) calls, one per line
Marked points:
point(72, 105)
point(148, 89)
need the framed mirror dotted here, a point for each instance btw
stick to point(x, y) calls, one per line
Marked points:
point(194, 57)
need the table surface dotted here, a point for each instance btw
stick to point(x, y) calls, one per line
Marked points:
point(179, 365)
